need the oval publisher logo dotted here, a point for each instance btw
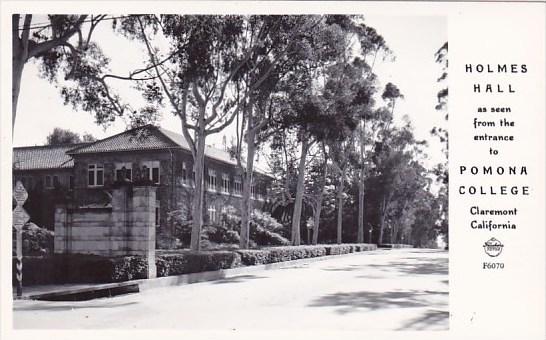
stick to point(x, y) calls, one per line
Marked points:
point(493, 247)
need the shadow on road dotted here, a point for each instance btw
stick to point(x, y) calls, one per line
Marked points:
point(238, 279)
point(415, 266)
point(66, 306)
point(354, 301)
point(349, 268)
point(432, 319)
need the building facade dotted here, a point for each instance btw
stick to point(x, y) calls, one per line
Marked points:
point(84, 175)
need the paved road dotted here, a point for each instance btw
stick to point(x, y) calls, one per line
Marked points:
point(380, 290)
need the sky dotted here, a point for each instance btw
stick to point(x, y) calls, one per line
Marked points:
point(413, 40)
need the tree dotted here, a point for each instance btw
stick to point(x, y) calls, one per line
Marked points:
point(318, 174)
point(88, 138)
point(212, 56)
point(392, 156)
point(48, 43)
point(303, 111)
point(62, 136)
point(441, 170)
point(371, 44)
point(288, 43)
point(391, 94)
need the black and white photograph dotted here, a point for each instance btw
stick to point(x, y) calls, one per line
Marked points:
point(230, 171)
point(272, 169)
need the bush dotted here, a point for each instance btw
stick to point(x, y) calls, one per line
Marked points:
point(181, 225)
point(220, 234)
point(190, 262)
point(339, 249)
point(83, 268)
point(264, 229)
point(280, 254)
point(36, 241)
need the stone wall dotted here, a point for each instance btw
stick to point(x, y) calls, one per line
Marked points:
point(127, 228)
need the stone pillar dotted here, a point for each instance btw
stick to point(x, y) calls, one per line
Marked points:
point(61, 238)
point(120, 221)
point(142, 231)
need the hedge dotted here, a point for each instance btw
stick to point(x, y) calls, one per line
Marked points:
point(190, 262)
point(80, 268)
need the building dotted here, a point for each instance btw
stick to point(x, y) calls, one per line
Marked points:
point(83, 175)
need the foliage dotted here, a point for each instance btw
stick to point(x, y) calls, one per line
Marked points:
point(36, 240)
point(192, 262)
point(61, 136)
point(289, 253)
point(82, 268)
point(265, 230)
point(441, 171)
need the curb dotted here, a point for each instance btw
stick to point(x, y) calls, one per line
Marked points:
point(169, 281)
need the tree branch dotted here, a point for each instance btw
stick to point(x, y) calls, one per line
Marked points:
point(180, 112)
point(52, 43)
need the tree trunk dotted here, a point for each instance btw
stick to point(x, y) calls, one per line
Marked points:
point(360, 232)
point(382, 221)
point(197, 201)
point(296, 217)
point(318, 207)
point(246, 202)
point(18, 60)
point(340, 206)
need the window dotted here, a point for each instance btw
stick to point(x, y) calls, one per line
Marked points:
point(48, 182)
point(127, 167)
point(27, 182)
point(184, 173)
point(71, 182)
point(237, 186)
point(56, 182)
point(253, 190)
point(151, 171)
point(157, 216)
point(211, 184)
point(95, 175)
point(225, 183)
point(212, 213)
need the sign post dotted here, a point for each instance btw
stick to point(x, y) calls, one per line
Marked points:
point(20, 218)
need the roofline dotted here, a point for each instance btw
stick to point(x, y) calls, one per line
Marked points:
point(77, 146)
point(74, 145)
point(72, 151)
point(41, 169)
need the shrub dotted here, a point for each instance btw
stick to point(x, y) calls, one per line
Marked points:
point(36, 241)
point(338, 249)
point(84, 268)
point(191, 262)
point(220, 234)
point(181, 225)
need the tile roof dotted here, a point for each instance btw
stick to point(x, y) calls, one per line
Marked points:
point(142, 138)
point(146, 137)
point(43, 157)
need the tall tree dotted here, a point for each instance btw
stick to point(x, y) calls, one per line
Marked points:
point(372, 44)
point(441, 170)
point(38, 41)
point(212, 57)
point(62, 136)
point(289, 42)
point(62, 45)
